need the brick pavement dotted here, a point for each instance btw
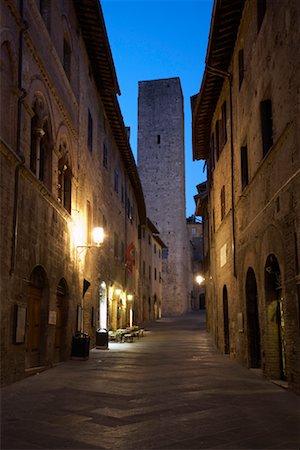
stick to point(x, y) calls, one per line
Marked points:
point(168, 390)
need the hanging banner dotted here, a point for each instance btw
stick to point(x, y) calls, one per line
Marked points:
point(130, 255)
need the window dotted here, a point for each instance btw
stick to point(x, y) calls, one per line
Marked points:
point(261, 10)
point(45, 10)
point(155, 273)
point(149, 239)
point(40, 145)
point(149, 272)
point(116, 182)
point(223, 205)
point(67, 58)
point(165, 253)
point(224, 124)
point(193, 231)
point(158, 138)
point(64, 180)
point(159, 277)
point(90, 132)
point(266, 125)
point(244, 166)
point(154, 248)
point(122, 193)
point(241, 67)
point(105, 156)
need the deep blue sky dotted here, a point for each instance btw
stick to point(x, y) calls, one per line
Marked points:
point(153, 39)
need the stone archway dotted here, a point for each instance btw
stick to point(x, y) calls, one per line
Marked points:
point(226, 321)
point(253, 330)
point(275, 343)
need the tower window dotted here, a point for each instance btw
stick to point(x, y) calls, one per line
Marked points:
point(158, 138)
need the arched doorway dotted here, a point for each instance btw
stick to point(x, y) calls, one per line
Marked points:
point(36, 318)
point(275, 319)
point(61, 320)
point(253, 332)
point(226, 321)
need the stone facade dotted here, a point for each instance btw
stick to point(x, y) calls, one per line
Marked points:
point(162, 171)
point(66, 167)
point(251, 123)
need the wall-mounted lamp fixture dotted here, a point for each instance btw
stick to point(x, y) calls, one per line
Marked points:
point(98, 238)
point(129, 297)
point(118, 291)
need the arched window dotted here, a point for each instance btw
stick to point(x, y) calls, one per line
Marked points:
point(40, 146)
point(64, 179)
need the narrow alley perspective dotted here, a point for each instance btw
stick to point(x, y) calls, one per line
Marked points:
point(170, 389)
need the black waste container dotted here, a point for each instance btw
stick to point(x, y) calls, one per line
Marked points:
point(102, 338)
point(80, 346)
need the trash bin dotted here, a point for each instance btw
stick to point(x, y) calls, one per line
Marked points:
point(80, 346)
point(102, 338)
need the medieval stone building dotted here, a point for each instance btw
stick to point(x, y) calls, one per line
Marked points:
point(246, 126)
point(66, 168)
point(162, 172)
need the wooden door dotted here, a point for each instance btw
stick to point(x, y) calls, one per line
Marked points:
point(33, 327)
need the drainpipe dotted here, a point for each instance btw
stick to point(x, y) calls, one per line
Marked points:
point(223, 74)
point(21, 162)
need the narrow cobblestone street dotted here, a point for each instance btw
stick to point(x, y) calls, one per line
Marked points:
point(170, 389)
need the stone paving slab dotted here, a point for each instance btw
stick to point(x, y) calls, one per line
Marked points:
point(171, 389)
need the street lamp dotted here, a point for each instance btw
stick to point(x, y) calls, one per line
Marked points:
point(98, 238)
point(200, 279)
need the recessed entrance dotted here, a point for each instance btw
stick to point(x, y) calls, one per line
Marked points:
point(253, 332)
point(35, 324)
point(275, 350)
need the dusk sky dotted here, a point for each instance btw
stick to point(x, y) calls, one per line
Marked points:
point(160, 39)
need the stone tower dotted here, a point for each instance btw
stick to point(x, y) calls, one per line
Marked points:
point(162, 172)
